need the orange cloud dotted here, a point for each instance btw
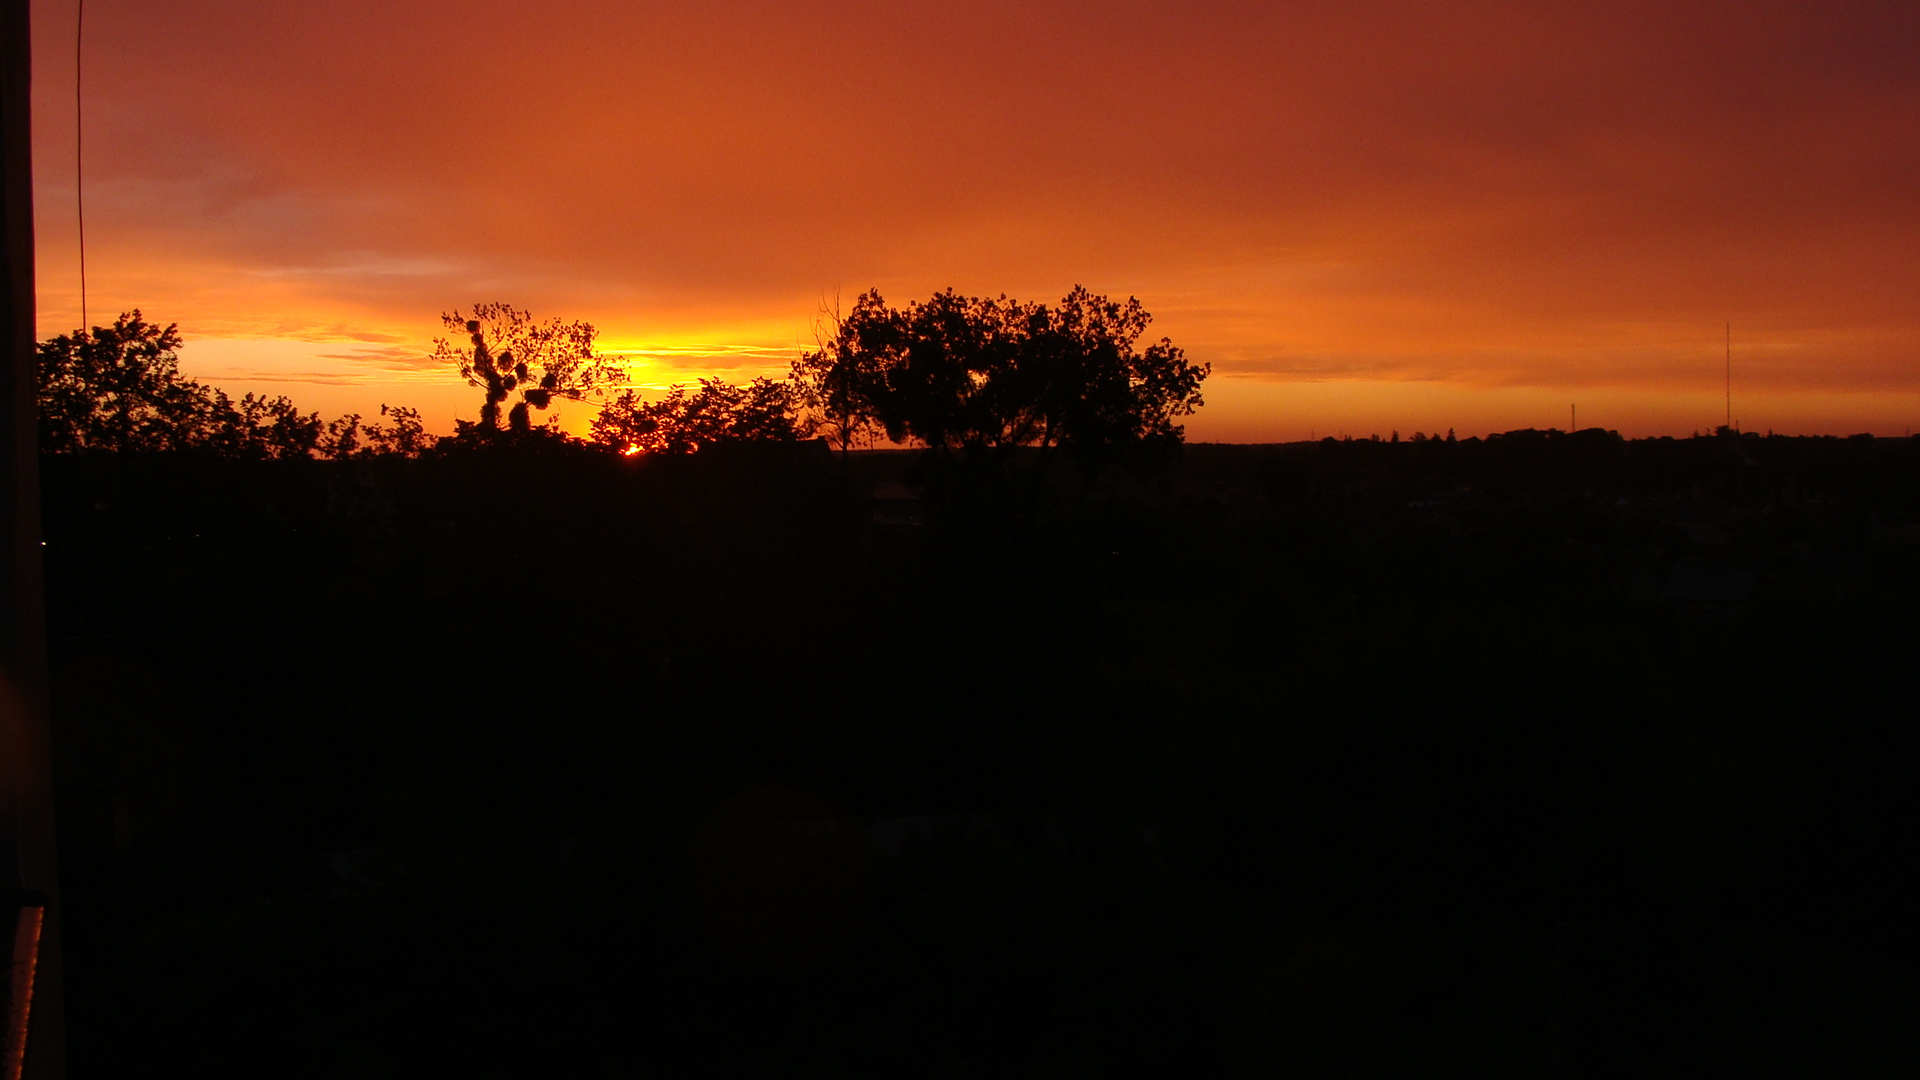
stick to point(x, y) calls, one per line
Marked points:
point(1476, 195)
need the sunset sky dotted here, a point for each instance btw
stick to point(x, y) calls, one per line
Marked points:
point(1366, 216)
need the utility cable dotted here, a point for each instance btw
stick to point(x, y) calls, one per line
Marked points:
point(79, 187)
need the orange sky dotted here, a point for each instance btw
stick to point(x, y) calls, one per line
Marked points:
point(1367, 216)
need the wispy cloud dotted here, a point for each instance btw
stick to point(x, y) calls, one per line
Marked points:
point(401, 358)
point(316, 378)
point(365, 264)
point(702, 357)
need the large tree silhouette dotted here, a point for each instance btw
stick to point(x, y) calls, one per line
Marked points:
point(507, 352)
point(117, 387)
point(973, 377)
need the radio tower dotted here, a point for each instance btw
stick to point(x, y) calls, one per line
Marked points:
point(1729, 376)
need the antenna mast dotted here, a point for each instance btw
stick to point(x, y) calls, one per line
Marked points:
point(1729, 376)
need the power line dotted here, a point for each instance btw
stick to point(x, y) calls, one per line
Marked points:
point(79, 186)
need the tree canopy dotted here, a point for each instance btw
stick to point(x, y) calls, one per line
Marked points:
point(686, 420)
point(508, 352)
point(973, 376)
point(118, 388)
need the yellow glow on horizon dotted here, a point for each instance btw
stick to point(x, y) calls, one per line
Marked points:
point(337, 376)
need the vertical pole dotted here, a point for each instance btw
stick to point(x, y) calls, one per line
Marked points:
point(1729, 376)
point(26, 761)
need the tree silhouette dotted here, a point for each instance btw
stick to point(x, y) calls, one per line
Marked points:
point(836, 380)
point(973, 377)
point(404, 434)
point(684, 421)
point(508, 352)
point(119, 388)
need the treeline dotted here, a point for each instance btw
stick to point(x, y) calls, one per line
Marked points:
point(969, 379)
point(119, 389)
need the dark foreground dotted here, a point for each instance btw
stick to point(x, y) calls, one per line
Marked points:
point(1548, 756)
